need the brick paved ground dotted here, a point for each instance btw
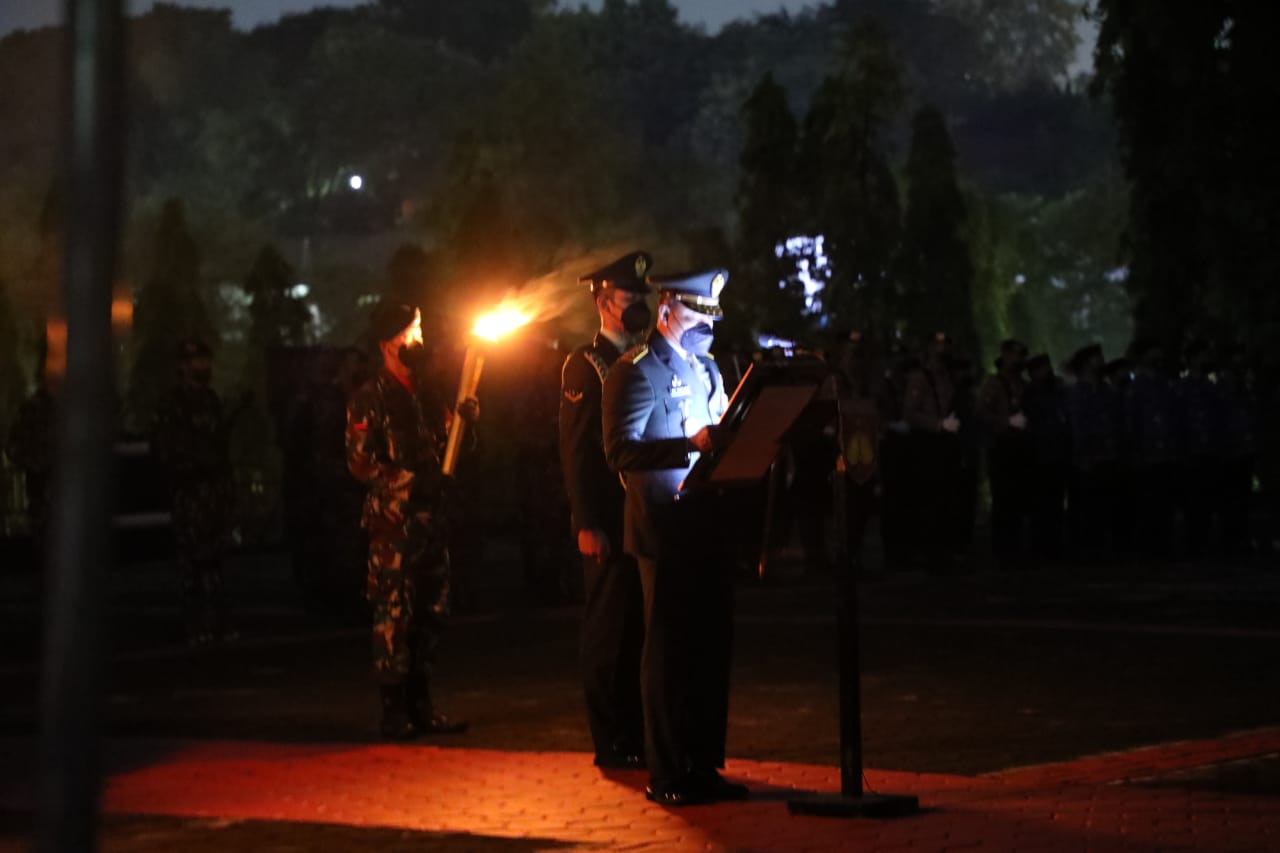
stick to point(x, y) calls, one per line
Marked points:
point(557, 800)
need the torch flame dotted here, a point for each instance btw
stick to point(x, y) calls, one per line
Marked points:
point(499, 322)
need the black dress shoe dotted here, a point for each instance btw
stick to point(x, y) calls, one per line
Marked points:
point(675, 794)
point(619, 761)
point(439, 724)
point(716, 787)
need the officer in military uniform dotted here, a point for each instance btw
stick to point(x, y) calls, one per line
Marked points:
point(1001, 413)
point(662, 401)
point(322, 500)
point(1200, 417)
point(395, 437)
point(30, 448)
point(192, 443)
point(613, 618)
point(1152, 433)
point(1093, 412)
point(937, 455)
point(1049, 437)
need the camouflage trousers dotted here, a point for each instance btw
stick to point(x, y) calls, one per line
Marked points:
point(409, 591)
point(200, 521)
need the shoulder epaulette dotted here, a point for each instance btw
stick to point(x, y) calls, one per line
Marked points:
point(636, 353)
point(602, 369)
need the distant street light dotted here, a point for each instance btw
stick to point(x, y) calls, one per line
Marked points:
point(355, 182)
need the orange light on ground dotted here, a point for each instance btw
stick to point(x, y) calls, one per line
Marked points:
point(490, 327)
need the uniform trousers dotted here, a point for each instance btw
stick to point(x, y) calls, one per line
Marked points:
point(688, 607)
point(612, 643)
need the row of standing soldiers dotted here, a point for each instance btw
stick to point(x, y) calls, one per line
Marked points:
point(1099, 464)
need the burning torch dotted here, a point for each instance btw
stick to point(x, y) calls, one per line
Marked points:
point(489, 328)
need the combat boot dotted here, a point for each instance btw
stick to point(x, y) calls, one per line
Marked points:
point(422, 712)
point(396, 723)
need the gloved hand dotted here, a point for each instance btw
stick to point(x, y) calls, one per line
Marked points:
point(469, 410)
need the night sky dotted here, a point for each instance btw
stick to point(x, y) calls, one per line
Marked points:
point(15, 14)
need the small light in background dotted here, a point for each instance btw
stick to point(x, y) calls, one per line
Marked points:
point(355, 182)
point(300, 290)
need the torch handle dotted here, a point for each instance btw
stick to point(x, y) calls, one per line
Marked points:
point(472, 364)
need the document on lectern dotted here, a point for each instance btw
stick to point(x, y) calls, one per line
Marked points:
point(766, 404)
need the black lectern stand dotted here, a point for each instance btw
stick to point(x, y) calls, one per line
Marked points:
point(852, 801)
point(768, 402)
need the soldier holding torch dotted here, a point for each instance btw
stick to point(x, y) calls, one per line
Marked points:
point(397, 428)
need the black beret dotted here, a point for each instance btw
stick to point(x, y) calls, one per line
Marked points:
point(390, 319)
point(1038, 361)
point(699, 290)
point(626, 273)
point(192, 348)
point(1084, 354)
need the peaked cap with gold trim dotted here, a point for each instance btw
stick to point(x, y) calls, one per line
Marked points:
point(626, 273)
point(699, 291)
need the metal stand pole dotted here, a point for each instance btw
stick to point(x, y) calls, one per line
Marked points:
point(80, 536)
point(852, 801)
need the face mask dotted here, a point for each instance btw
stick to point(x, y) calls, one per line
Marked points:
point(414, 356)
point(636, 317)
point(697, 339)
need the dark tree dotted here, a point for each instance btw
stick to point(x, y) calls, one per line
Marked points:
point(276, 316)
point(1192, 86)
point(766, 289)
point(167, 309)
point(846, 173)
point(935, 270)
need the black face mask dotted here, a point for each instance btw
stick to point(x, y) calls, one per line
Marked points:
point(415, 357)
point(636, 317)
point(697, 339)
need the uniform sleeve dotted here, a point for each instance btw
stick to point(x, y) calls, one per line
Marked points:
point(917, 409)
point(629, 401)
point(992, 411)
point(366, 441)
point(581, 442)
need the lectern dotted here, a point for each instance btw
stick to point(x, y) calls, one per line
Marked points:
point(766, 408)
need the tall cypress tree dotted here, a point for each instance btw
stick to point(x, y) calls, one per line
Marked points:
point(844, 170)
point(167, 309)
point(935, 269)
point(767, 292)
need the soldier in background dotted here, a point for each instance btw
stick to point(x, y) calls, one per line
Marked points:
point(323, 502)
point(1093, 411)
point(1238, 439)
point(30, 448)
point(1049, 436)
point(936, 465)
point(896, 465)
point(1000, 410)
point(1152, 433)
point(191, 442)
point(613, 615)
point(395, 439)
point(863, 401)
point(550, 571)
point(1118, 376)
point(1200, 417)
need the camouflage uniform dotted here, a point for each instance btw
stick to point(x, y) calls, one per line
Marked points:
point(191, 441)
point(395, 442)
